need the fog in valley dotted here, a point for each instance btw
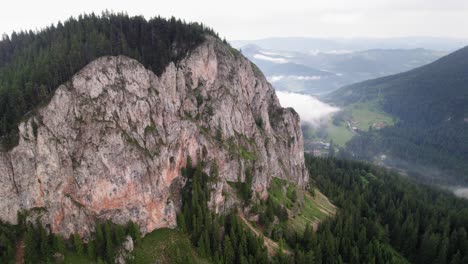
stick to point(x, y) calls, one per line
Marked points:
point(310, 109)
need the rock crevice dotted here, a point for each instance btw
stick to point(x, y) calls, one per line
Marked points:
point(112, 141)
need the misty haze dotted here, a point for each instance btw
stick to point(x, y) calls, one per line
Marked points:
point(234, 132)
point(310, 109)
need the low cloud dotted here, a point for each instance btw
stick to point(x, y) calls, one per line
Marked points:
point(461, 192)
point(270, 59)
point(309, 108)
point(276, 78)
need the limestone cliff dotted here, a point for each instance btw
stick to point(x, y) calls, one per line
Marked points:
point(112, 141)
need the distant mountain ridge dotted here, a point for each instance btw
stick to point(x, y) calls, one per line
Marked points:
point(318, 73)
point(431, 104)
point(308, 44)
point(427, 87)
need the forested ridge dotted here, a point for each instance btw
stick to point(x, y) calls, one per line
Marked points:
point(429, 94)
point(431, 104)
point(34, 64)
point(383, 215)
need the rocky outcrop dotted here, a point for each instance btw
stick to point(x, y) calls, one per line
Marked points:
point(125, 251)
point(112, 141)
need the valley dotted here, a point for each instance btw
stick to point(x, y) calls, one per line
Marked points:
point(373, 115)
point(323, 71)
point(134, 139)
point(363, 125)
point(323, 123)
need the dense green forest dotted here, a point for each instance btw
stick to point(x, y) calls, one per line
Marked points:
point(433, 155)
point(431, 104)
point(41, 246)
point(222, 239)
point(34, 64)
point(382, 218)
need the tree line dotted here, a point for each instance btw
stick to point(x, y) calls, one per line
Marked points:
point(42, 246)
point(34, 64)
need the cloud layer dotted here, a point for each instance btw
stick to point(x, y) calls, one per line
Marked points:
point(271, 59)
point(309, 108)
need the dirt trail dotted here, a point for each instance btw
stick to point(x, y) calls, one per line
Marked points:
point(19, 257)
point(271, 245)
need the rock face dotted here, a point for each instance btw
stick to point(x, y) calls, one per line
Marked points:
point(112, 141)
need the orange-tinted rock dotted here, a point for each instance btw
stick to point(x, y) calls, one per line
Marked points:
point(112, 141)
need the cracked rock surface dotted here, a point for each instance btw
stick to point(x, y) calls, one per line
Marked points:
point(112, 141)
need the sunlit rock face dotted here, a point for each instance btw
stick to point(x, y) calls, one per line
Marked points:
point(112, 141)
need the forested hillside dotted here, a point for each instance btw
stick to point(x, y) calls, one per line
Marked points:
point(430, 94)
point(431, 104)
point(382, 217)
point(34, 64)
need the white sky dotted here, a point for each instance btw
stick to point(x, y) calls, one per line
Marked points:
point(253, 19)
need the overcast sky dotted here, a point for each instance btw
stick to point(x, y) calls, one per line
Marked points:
point(254, 19)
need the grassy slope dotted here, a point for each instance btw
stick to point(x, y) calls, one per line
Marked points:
point(161, 246)
point(339, 134)
point(306, 210)
point(365, 114)
point(270, 245)
point(166, 246)
point(73, 258)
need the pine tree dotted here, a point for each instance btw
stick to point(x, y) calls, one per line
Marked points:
point(307, 237)
point(310, 257)
point(44, 241)
point(134, 229)
point(442, 255)
point(206, 242)
point(30, 255)
point(181, 222)
point(201, 246)
point(59, 244)
point(456, 259)
point(109, 242)
point(100, 242)
point(228, 250)
point(78, 244)
point(119, 234)
point(90, 249)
